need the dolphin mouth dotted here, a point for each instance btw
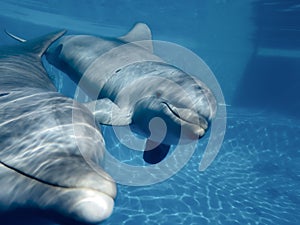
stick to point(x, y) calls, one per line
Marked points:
point(191, 118)
point(53, 185)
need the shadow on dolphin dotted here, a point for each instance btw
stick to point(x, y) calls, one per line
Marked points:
point(135, 87)
point(50, 146)
point(25, 216)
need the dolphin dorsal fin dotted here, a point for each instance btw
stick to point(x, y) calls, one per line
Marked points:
point(140, 32)
point(39, 45)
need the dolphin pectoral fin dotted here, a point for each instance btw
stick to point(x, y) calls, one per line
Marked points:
point(107, 112)
point(155, 152)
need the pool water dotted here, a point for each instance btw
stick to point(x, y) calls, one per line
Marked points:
point(254, 180)
point(253, 48)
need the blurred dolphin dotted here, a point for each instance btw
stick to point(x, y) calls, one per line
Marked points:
point(50, 147)
point(135, 87)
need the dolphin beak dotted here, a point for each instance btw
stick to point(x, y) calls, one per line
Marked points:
point(187, 118)
point(91, 206)
point(91, 192)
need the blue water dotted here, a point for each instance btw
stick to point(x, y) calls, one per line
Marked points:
point(253, 48)
point(254, 180)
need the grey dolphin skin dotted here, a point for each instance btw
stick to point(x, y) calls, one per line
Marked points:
point(50, 147)
point(135, 87)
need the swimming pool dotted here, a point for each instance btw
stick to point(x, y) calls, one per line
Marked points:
point(253, 49)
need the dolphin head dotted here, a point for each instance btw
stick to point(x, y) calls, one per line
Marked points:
point(179, 109)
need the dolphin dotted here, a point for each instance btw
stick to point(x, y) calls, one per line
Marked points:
point(135, 87)
point(130, 85)
point(50, 146)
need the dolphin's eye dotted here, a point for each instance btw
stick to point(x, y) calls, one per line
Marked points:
point(118, 70)
point(3, 94)
point(158, 94)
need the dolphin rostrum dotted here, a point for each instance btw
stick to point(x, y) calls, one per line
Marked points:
point(137, 88)
point(50, 147)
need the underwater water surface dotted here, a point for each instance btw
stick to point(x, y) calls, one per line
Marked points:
point(253, 48)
